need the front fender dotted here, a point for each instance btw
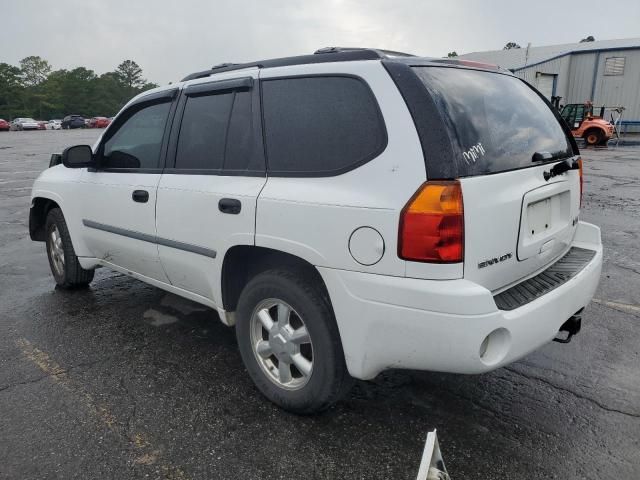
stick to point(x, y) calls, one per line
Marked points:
point(60, 185)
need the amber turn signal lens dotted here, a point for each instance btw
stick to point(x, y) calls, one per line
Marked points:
point(432, 224)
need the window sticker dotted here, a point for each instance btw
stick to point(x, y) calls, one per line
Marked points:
point(472, 155)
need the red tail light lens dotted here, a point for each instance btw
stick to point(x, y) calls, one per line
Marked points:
point(432, 224)
point(580, 172)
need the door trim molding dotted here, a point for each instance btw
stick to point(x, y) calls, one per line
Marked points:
point(144, 237)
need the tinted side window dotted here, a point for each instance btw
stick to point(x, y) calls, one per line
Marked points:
point(137, 142)
point(203, 132)
point(217, 134)
point(240, 151)
point(320, 125)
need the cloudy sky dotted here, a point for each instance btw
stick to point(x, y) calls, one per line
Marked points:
point(170, 38)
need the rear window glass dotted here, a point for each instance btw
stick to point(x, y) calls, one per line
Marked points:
point(317, 126)
point(496, 122)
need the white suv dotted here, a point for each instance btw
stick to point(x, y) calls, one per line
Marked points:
point(350, 211)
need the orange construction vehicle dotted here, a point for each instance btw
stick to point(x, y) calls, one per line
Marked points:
point(594, 129)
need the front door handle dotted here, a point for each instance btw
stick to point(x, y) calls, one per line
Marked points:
point(229, 205)
point(141, 196)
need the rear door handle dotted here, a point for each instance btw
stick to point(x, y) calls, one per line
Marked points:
point(141, 196)
point(229, 205)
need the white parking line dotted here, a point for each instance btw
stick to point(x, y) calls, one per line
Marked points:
point(619, 306)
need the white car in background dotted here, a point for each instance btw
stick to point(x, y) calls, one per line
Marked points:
point(24, 124)
point(349, 212)
point(54, 125)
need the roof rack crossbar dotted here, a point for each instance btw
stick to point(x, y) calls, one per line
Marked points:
point(323, 55)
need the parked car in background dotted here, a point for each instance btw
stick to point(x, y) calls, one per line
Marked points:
point(4, 125)
point(24, 124)
point(42, 125)
point(73, 121)
point(54, 125)
point(99, 122)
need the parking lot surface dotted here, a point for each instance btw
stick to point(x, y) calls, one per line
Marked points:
point(123, 380)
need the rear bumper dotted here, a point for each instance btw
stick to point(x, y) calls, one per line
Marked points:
point(393, 322)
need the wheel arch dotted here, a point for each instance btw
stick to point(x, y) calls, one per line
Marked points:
point(42, 201)
point(594, 128)
point(243, 262)
point(40, 208)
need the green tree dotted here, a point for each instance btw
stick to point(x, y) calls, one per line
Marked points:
point(452, 54)
point(130, 74)
point(9, 76)
point(34, 70)
point(511, 46)
point(148, 86)
point(77, 91)
point(36, 91)
point(10, 91)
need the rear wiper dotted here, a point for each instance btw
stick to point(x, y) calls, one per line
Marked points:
point(560, 168)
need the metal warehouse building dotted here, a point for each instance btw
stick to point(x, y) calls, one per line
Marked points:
point(605, 72)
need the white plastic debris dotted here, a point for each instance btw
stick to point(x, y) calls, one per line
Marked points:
point(432, 466)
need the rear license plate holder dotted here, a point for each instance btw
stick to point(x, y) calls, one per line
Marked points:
point(539, 217)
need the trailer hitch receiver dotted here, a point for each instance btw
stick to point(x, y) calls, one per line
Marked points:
point(571, 326)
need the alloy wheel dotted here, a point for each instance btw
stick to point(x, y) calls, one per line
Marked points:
point(56, 250)
point(281, 344)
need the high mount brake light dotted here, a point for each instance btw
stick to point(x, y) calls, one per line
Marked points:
point(432, 224)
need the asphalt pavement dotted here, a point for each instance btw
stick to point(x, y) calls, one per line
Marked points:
point(123, 380)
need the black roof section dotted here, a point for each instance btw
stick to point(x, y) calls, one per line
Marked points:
point(323, 55)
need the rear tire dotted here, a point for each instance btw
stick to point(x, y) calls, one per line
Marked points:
point(65, 268)
point(289, 341)
point(593, 137)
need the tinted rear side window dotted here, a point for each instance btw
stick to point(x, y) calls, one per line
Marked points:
point(240, 149)
point(495, 122)
point(203, 132)
point(217, 134)
point(317, 126)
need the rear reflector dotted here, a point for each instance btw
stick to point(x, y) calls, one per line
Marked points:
point(432, 224)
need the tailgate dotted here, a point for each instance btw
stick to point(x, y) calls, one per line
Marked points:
point(516, 223)
point(507, 151)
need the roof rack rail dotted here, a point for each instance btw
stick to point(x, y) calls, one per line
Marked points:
point(382, 52)
point(323, 55)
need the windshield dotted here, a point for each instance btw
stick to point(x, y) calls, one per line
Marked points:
point(495, 122)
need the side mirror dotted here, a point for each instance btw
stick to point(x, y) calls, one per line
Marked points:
point(78, 156)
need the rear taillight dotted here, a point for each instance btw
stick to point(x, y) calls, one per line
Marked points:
point(432, 224)
point(580, 172)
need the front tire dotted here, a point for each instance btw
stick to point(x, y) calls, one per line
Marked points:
point(65, 268)
point(289, 341)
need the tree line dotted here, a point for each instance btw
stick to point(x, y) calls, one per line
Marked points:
point(34, 89)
